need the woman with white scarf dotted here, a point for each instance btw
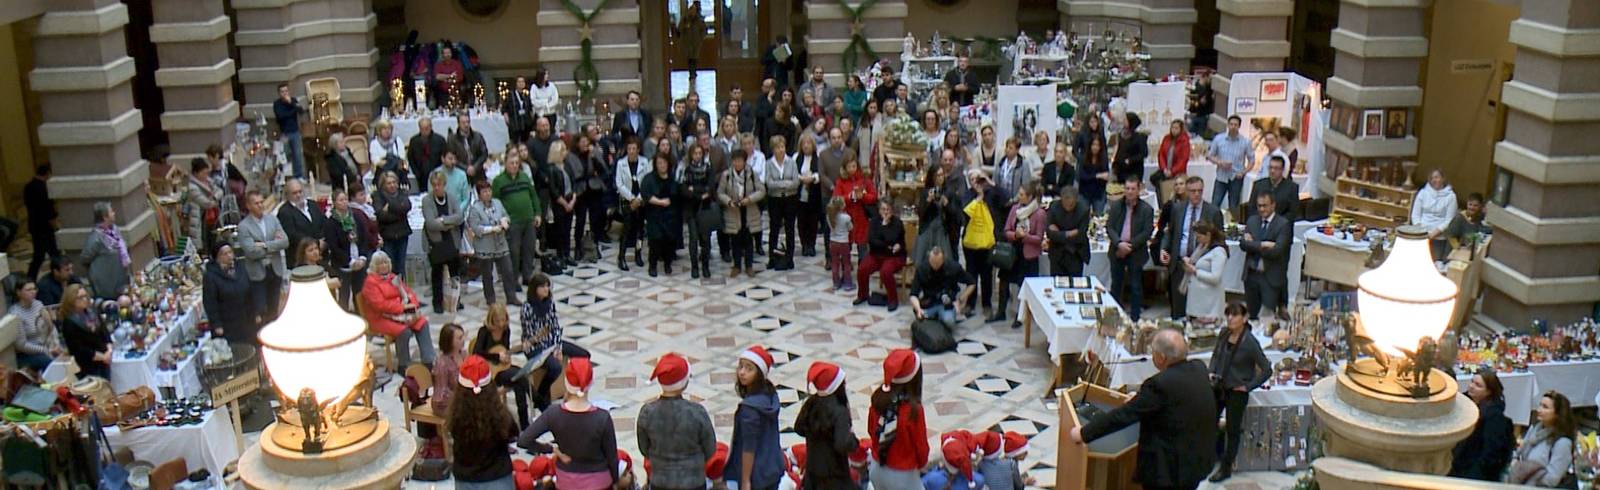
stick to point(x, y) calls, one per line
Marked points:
point(1433, 209)
point(1024, 229)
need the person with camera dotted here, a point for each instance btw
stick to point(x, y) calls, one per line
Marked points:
point(938, 291)
point(1238, 366)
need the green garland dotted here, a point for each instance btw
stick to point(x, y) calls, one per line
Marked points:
point(858, 38)
point(585, 76)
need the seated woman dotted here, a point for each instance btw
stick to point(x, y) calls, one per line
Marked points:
point(1545, 457)
point(452, 350)
point(309, 252)
point(886, 254)
point(37, 345)
point(391, 309)
point(496, 332)
point(541, 331)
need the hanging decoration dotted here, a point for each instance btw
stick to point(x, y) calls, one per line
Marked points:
point(858, 34)
point(585, 76)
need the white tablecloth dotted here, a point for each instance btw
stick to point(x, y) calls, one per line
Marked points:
point(491, 124)
point(1232, 272)
point(209, 445)
point(1064, 333)
point(1521, 392)
point(129, 373)
point(1580, 381)
point(1129, 369)
point(185, 380)
point(1198, 167)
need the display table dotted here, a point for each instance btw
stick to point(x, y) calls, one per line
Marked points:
point(128, 373)
point(1334, 259)
point(208, 445)
point(1128, 369)
point(1579, 380)
point(1066, 331)
point(1099, 267)
point(491, 124)
point(184, 379)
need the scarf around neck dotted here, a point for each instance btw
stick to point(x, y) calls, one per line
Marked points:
point(1025, 212)
point(114, 241)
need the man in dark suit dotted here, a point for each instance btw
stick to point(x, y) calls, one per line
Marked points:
point(1129, 223)
point(1178, 242)
point(1285, 193)
point(468, 145)
point(425, 152)
point(1067, 237)
point(518, 110)
point(301, 218)
point(1266, 243)
point(632, 120)
point(1177, 417)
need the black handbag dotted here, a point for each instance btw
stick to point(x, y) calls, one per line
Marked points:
point(1003, 256)
point(443, 250)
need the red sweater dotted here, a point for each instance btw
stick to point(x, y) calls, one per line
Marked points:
point(912, 428)
point(857, 209)
point(1180, 165)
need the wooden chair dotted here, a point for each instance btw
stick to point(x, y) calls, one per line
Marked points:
point(388, 340)
point(423, 413)
point(357, 144)
point(168, 475)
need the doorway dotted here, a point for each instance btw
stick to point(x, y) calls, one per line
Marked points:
point(725, 41)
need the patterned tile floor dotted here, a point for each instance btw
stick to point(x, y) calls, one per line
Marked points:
point(629, 319)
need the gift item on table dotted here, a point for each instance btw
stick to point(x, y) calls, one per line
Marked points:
point(177, 412)
point(1513, 351)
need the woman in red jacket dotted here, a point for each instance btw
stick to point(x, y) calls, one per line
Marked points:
point(859, 196)
point(1173, 158)
point(902, 448)
point(391, 309)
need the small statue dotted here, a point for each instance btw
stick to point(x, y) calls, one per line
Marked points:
point(310, 421)
point(1422, 364)
point(908, 47)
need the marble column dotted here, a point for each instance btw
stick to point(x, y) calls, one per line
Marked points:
point(883, 25)
point(1165, 26)
point(82, 74)
point(1544, 259)
point(1253, 35)
point(616, 48)
point(1379, 50)
point(292, 41)
point(196, 75)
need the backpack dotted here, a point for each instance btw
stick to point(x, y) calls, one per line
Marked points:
point(932, 336)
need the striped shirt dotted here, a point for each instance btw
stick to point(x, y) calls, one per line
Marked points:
point(1235, 150)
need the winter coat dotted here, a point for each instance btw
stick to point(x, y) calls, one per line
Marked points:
point(1433, 208)
point(732, 213)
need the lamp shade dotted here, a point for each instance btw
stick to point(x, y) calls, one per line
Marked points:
point(1406, 298)
point(314, 343)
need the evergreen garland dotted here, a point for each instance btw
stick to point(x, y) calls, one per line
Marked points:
point(858, 37)
point(585, 76)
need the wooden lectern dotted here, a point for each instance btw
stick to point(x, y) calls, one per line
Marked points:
point(1104, 464)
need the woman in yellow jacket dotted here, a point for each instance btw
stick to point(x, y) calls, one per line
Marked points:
point(985, 211)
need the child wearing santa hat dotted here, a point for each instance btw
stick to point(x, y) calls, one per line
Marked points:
point(860, 458)
point(675, 434)
point(956, 472)
point(625, 468)
point(585, 440)
point(755, 455)
point(716, 466)
point(895, 422)
point(824, 421)
point(481, 428)
point(1001, 459)
point(794, 463)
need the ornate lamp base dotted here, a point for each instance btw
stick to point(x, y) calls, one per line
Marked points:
point(1397, 432)
point(357, 425)
point(381, 460)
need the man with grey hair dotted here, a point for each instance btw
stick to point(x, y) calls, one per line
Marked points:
point(262, 241)
point(300, 217)
point(1177, 413)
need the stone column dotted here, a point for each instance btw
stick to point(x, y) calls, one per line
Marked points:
point(82, 73)
point(1546, 250)
point(616, 48)
point(196, 75)
point(1379, 51)
point(1165, 26)
point(292, 41)
point(1252, 36)
point(883, 25)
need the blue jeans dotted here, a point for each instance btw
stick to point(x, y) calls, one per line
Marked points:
point(402, 346)
point(1230, 189)
point(38, 362)
point(945, 315)
point(502, 483)
point(396, 250)
point(297, 153)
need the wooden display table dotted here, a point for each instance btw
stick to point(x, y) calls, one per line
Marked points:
point(1107, 463)
point(1334, 264)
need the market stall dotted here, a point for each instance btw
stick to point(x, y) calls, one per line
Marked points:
point(205, 441)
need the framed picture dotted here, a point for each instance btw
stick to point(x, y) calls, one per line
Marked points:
point(1274, 90)
point(1396, 127)
point(1244, 105)
point(1372, 123)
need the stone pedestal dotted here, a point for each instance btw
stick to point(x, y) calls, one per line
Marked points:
point(1398, 433)
point(1547, 230)
point(292, 41)
point(1165, 26)
point(380, 462)
point(89, 125)
point(883, 26)
point(1253, 35)
point(616, 49)
point(196, 76)
point(1378, 58)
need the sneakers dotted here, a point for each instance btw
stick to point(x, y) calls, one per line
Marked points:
point(850, 286)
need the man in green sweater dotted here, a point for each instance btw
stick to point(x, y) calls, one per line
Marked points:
point(514, 189)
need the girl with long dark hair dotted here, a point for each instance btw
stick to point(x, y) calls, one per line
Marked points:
point(1545, 457)
point(896, 426)
point(755, 454)
point(446, 367)
point(824, 421)
point(481, 429)
point(1094, 171)
point(1484, 454)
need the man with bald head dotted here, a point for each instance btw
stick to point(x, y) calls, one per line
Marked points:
point(1177, 416)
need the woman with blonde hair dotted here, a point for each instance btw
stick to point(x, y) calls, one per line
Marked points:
point(387, 153)
point(88, 341)
point(493, 343)
point(563, 199)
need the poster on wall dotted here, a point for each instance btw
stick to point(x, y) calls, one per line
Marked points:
point(1158, 104)
point(1244, 106)
point(1023, 110)
point(1274, 90)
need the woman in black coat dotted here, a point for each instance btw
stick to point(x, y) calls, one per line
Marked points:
point(1485, 453)
point(824, 421)
point(660, 227)
point(88, 341)
point(341, 230)
point(226, 296)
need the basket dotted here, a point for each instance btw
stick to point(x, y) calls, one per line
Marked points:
point(244, 359)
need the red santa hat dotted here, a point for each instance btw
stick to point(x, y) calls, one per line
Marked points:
point(718, 461)
point(541, 467)
point(580, 374)
point(473, 374)
point(797, 455)
point(989, 443)
point(1014, 444)
point(672, 371)
point(624, 462)
point(862, 454)
point(965, 437)
point(825, 378)
point(758, 355)
point(958, 455)
point(900, 367)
